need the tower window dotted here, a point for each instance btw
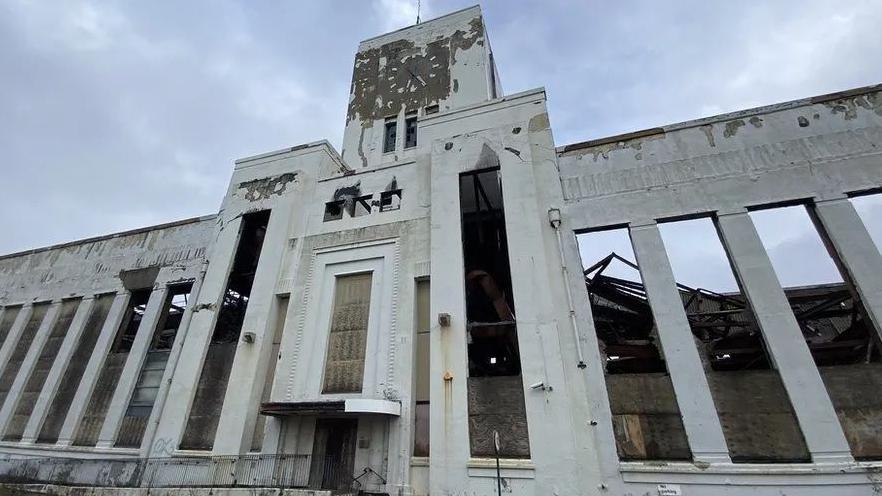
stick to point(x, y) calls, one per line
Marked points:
point(410, 131)
point(390, 134)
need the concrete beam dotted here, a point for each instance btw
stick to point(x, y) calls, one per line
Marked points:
point(703, 429)
point(27, 365)
point(132, 369)
point(846, 233)
point(783, 338)
point(71, 339)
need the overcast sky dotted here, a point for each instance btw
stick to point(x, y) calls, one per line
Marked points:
point(117, 115)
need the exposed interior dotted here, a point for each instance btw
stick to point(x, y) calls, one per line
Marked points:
point(496, 394)
point(645, 414)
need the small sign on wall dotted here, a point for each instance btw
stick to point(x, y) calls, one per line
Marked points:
point(669, 490)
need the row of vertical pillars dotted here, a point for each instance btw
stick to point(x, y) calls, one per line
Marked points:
point(752, 374)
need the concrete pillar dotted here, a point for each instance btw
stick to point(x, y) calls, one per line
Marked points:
point(858, 254)
point(147, 444)
point(449, 450)
point(132, 369)
point(244, 388)
point(93, 368)
point(21, 320)
point(27, 366)
point(205, 308)
point(703, 429)
point(783, 338)
point(274, 428)
point(71, 339)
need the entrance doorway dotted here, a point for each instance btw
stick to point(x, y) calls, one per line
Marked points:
point(333, 454)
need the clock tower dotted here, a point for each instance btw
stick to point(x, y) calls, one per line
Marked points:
point(399, 77)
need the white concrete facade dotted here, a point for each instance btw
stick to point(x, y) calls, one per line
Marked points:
point(816, 152)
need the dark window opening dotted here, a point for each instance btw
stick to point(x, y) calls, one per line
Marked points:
point(390, 135)
point(175, 303)
point(493, 356)
point(334, 210)
point(432, 109)
point(493, 347)
point(361, 206)
point(235, 300)
point(212, 387)
point(129, 327)
point(410, 131)
point(390, 200)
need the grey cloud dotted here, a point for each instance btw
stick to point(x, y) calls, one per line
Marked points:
point(123, 114)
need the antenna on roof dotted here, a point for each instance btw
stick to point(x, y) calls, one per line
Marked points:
point(418, 11)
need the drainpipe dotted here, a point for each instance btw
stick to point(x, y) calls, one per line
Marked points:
point(554, 219)
point(174, 357)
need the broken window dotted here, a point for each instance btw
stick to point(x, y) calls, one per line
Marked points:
point(150, 378)
point(493, 356)
point(837, 330)
point(131, 321)
point(645, 414)
point(344, 365)
point(390, 200)
point(390, 135)
point(731, 349)
point(421, 370)
point(410, 131)
point(212, 387)
point(334, 210)
point(361, 206)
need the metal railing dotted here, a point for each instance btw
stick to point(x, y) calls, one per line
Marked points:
point(283, 471)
